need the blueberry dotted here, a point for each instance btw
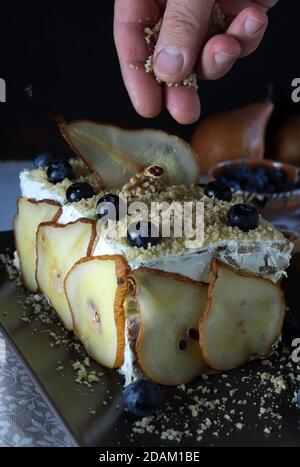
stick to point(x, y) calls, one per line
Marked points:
point(142, 397)
point(270, 188)
point(291, 185)
point(250, 188)
point(261, 182)
point(142, 234)
point(234, 185)
point(58, 171)
point(243, 216)
point(44, 160)
point(111, 206)
point(242, 172)
point(222, 179)
point(256, 183)
point(275, 176)
point(229, 171)
point(218, 189)
point(261, 178)
point(78, 191)
point(260, 171)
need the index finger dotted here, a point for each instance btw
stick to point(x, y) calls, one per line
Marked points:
point(131, 18)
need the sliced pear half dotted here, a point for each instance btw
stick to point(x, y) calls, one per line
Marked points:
point(96, 289)
point(114, 154)
point(170, 308)
point(243, 317)
point(30, 214)
point(59, 247)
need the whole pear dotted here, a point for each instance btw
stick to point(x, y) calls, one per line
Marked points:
point(234, 134)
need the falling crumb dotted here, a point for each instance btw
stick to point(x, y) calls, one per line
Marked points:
point(83, 375)
point(25, 319)
point(278, 383)
point(265, 376)
point(87, 362)
point(134, 67)
point(196, 411)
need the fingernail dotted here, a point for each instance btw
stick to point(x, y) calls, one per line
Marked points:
point(253, 25)
point(223, 59)
point(169, 61)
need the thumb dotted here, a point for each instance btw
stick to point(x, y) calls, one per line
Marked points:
point(181, 38)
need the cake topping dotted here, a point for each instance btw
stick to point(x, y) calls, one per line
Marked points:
point(79, 191)
point(143, 234)
point(155, 171)
point(58, 171)
point(153, 179)
point(243, 216)
point(216, 226)
point(218, 189)
point(114, 155)
point(44, 160)
point(111, 206)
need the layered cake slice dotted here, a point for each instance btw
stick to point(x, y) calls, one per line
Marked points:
point(149, 303)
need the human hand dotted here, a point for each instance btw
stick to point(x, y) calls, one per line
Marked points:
point(182, 47)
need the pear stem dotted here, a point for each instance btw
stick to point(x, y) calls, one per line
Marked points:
point(33, 94)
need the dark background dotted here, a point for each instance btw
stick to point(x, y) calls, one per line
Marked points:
point(66, 50)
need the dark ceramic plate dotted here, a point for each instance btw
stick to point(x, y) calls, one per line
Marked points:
point(112, 426)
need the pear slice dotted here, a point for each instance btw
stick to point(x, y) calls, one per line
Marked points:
point(30, 214)
point(243, 317)
point(170, 308)
point(96, 289)
point(115, 155)
point(59, 247)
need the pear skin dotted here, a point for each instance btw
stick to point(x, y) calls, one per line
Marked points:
point(285, 143)
point(231, 135)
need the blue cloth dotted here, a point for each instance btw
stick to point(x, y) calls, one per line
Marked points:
point(10, 191)
point(25, 418)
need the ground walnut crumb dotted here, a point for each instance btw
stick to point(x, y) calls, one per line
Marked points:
point(81, 174)
point(217, 25)
point(260, 398)
point(83, 375)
